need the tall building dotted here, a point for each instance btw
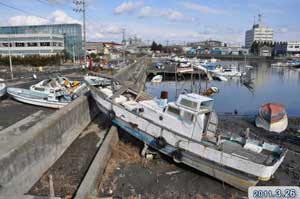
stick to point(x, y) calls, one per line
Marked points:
point(71, 33)
point(259, 32)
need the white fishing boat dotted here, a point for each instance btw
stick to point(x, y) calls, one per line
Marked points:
point(219, 77)
point(157, 79)
point(229, 72)
point(96, 81)
point(59, 84)
point(2, 89)
point(186, 131)
point(52, 100)
point(185, 64)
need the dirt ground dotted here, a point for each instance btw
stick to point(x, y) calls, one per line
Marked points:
point(128, 175)
point(68, 171)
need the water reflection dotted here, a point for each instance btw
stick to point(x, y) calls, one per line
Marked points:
point(270, 84)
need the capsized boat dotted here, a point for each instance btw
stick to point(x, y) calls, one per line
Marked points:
point(2, 89)
point(157, 79)
point(186, 131)
point(272, 117)
point(52, 100)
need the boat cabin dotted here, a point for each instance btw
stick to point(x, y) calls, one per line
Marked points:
point(195, 102)
point(188, 116)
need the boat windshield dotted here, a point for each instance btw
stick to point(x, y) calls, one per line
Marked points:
point(206, 105)
point(188, 103)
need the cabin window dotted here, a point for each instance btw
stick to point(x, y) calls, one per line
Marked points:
point(187, 116)
point(173, 111)
point(207, 105)
point(189, 103)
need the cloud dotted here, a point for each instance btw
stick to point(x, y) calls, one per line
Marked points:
point(170, 14)
point(128, 7)
point(201, 8)
point(104, 31)
point(55, 17)
point(59, 16)
point(26, 20)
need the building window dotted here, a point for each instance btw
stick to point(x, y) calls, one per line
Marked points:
point(296, 46)
point(18, 44)
point(32, 44)
point(45, 43)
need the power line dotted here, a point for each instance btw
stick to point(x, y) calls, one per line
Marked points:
point(21, 10)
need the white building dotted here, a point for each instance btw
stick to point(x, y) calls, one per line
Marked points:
point(259, 32)
point(31, 44)
point(293, 48)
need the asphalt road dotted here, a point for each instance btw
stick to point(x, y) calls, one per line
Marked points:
point(12, 111)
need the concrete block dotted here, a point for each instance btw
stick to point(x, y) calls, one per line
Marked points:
point(93, 177)
point(41, 145)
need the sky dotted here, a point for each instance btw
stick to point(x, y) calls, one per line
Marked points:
point(175, 21)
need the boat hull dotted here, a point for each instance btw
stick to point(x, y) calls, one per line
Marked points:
point(2, 90)
point(277, 127)
point(236, 179)
point(36, 102)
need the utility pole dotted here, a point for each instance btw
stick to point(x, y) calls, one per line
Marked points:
point(81, 8)
point(167, 46)
point(10, 59)
point(124, 44)
point(73, 49)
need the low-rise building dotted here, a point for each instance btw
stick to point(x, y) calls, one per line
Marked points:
point(31, 44)
point(280, 48)
point(208, 44)
point(293, 48)
point(101, 47)
point(72, 38)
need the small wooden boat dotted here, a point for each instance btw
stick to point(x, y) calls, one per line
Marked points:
point(157, 79)
point(272, 117)
point(38, 98)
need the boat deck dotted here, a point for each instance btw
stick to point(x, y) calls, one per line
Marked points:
point(236, 149)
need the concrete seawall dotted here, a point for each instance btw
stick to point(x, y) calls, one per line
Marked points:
point(26, 158)
point(90, 183)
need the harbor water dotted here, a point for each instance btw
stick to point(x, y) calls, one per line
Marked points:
point(269, 84)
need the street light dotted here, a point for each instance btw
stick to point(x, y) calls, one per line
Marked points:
point(10, 59)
